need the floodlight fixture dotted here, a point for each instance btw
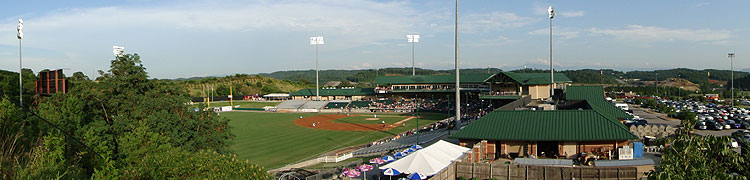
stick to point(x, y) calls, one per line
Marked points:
point(412, 37)
point(20, 29)
point(118, 50)
point(551, 12)
point(316, 40)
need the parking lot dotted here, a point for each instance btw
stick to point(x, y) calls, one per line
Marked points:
point(654, 118)
point(657, 118)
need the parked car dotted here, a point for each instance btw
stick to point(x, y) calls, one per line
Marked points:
point(701, 125)
point(714, 125)
point(733, 143)
point(726, 126)
point(733, 124)
point(745, 124)
point(740, 132)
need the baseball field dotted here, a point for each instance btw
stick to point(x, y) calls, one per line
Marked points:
point(277, 139)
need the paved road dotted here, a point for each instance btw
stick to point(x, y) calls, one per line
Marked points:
point(654, 118)
point(716, 133)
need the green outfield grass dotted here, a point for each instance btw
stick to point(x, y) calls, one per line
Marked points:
point(242, 104)
point(273, 140)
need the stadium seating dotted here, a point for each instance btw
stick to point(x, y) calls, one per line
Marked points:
point(291, 104)
point(336, 105)
point(360, 104)
point(314, 105)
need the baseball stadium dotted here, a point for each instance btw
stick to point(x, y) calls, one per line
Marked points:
point(334, 125)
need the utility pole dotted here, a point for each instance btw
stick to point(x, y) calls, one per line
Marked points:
point(231, 99)
point(731, 66)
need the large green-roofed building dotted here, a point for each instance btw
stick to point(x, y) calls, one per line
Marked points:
point(594, 96)
point(563, 133)
point(500, 86)
point(506, 85)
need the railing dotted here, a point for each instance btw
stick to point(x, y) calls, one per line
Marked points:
point(496, 93)
point(335, 159)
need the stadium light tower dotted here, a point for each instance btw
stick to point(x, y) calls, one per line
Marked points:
point(118, 51)
point(20, 62)
point(413, 39)
point(551, 13)
point(731, 66)
point(458, 85)
point(317, 40)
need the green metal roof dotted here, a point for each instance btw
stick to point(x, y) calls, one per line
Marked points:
point(433, 79)
point(555, 125)
point(336, 92)
point(594, 96)
point(534, 78)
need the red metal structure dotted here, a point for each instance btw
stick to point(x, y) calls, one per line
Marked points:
point(50, 82)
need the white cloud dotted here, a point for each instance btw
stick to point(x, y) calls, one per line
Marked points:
point(379, 20)
point(571, 13)
point(496, 41)
point(362, 66)
point(492, 21)
point(652, 33)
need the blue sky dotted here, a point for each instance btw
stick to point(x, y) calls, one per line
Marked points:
point(199, 38)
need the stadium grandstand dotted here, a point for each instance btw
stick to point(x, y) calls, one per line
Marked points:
point(330, 94)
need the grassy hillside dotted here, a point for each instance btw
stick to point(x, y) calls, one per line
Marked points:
point(361, 78)
point(240, 84)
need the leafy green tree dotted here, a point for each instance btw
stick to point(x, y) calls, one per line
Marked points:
point(150, 156)
point(690, 156)
point(79, 76)
point(49, 161)
point(131, 127)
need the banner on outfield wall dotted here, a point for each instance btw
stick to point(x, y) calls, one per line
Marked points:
point(309, 110)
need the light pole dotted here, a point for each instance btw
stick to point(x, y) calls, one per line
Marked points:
point(551, 13)
point(416, 112)
point(20, 62)
point(317, 40)
point(731, 66)
point(413, 39)
point(458, 85)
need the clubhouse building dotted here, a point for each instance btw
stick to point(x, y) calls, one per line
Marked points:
point(582, 122)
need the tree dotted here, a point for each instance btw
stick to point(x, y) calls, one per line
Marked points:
point(79, 76)
point(130, 127)
point(690, 156)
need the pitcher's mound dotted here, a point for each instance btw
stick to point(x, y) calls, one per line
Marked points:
point(372, 119)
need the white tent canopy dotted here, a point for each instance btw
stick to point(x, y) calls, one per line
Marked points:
point(430, 160)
